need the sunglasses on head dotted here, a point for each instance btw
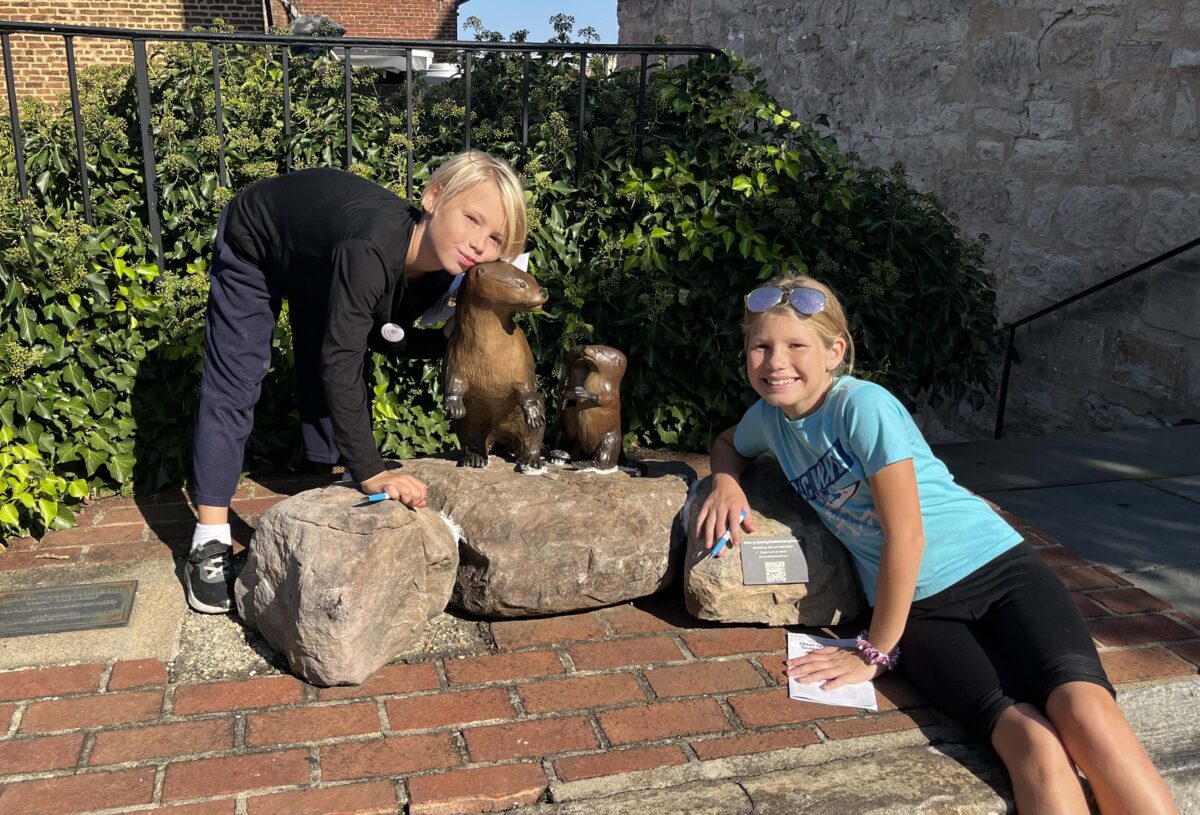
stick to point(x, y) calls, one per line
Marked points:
point(807, 301)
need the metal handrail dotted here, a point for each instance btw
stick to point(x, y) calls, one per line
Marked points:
point(1011, 328)
point(139, 37)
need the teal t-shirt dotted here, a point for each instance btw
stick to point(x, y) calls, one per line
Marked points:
point(828, 457)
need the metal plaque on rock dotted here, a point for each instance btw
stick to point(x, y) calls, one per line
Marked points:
point(66, 608)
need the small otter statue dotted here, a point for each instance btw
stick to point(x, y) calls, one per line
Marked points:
point(591, 415)
point(490, 388)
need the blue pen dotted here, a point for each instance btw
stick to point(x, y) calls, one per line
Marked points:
point(724, 539)
point(372, 499)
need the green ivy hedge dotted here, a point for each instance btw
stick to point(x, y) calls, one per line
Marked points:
point(101, 353)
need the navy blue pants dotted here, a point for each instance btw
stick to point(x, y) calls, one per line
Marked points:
point(242, 311)
point(1008, 632)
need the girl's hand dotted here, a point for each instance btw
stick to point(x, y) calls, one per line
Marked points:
point(403, 488)
point(832, 667)
point(721, 511)
point(448, 328)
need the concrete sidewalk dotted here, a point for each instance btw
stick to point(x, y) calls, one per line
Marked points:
point(1129, 501)
point(630, 709)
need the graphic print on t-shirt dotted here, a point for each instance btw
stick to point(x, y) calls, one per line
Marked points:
point(815, 483)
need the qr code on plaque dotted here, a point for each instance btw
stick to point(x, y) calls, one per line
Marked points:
point(775, 571)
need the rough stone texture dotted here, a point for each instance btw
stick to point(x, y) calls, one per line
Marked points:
point(1173, 303)
point(713, 587)
point(558, 541)
point(340, 590)
point(959, 784)
point(1066, 131)
point(1169, 214)
point(696, 798)
point(1096, 216)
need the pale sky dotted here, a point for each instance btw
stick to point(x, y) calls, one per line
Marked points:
point(507, 16)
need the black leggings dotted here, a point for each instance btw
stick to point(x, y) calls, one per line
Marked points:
point(1006, 633)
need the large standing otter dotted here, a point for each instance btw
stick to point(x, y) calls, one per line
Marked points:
point(490, 387)
point(591, 416)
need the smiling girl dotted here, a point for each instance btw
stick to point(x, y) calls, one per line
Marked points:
point(986, 628)
point(357, 265)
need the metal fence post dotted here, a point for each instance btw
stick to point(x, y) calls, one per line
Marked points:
point(142, 74)
point(80, 155)
point(15, 119)
point(222, 175)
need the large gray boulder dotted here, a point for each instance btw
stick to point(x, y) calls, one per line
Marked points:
point(556, 541)
point(713, 588)
point(340, 590)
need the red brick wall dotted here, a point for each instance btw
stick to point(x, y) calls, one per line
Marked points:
point(398, 19)
point(39, 63)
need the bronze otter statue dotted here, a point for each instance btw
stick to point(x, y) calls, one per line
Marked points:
point(490, 388)
point(591, 414)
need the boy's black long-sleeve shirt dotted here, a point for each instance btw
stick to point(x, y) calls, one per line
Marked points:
point(340, 241)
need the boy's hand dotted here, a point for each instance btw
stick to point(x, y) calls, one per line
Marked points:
point(721, 511)
point(403, 488)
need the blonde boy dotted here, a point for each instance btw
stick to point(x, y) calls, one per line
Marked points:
point(357, 265)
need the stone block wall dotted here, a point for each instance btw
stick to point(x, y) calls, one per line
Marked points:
point(1066, 131)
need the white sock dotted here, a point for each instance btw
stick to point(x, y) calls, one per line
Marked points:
point(210, 532)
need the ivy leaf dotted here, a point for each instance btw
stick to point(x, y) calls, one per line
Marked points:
point(92, 459)
point(48, 509)
point(121, 466)
point(24, 401)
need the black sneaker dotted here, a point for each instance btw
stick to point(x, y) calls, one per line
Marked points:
point(208, 578)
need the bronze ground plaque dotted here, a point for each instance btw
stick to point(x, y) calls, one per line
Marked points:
point(66, 608)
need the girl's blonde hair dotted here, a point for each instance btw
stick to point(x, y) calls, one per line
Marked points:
point(468, 170)
point(829, 323)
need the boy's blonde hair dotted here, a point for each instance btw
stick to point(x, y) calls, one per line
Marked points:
point(468, 170)
point(829, 323)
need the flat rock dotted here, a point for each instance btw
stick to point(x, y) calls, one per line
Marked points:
point(340, 590)
point(556, 541)
point(963, 782)
point(154, 623)
point(713, 588)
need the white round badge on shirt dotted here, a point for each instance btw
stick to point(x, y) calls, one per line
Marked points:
point(392, 332)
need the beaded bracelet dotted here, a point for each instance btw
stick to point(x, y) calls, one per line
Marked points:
point(876, 657)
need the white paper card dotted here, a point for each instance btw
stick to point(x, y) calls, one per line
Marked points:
point(443, 309)
point(860, 695)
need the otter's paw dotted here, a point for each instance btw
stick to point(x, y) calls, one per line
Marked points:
point(454, 407)
point(532, 461)
point(473, 458)
point(535, 414)
point(559, 456)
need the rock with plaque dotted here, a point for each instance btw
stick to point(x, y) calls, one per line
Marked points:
point(791, 571)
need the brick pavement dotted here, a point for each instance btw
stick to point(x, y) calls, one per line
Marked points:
point(561, 699)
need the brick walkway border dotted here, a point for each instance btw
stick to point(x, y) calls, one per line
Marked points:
point(566, 698)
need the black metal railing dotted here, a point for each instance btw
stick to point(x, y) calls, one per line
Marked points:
point(138, 39)
point(1011, 328)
